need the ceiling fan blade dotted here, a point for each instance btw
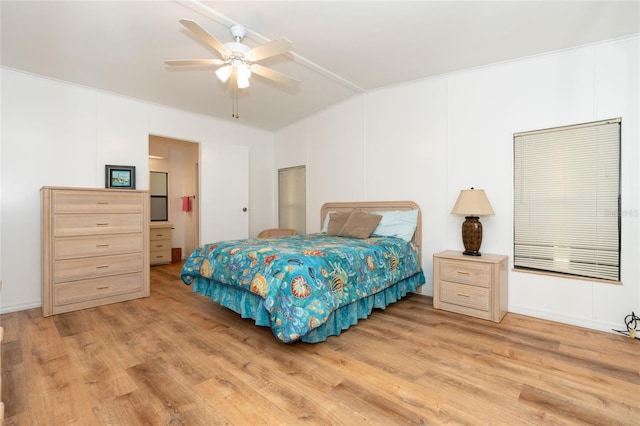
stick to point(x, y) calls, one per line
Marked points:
point(273, 48)
point(274, 75)
point(173, 62)
point(203, 34)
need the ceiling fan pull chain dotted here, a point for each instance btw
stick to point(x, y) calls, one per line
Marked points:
point(235, 102)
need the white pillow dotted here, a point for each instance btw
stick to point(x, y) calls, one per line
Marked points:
point(397, 223)
point(325, 224)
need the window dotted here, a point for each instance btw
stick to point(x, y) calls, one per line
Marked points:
point(292, 199)
point(567, 200)
point(158, 184)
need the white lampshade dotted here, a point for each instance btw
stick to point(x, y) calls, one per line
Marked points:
point(242, 75)
point(472, 202)
point(243, 83)
point(243, 72)
point(224, 73)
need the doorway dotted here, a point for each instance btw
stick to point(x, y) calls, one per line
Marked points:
point(177, 161)
point(292, 199)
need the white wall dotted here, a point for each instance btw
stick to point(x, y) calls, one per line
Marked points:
point(57, 134)
point(427, 140)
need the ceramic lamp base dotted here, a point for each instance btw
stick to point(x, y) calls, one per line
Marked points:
point(472, 235)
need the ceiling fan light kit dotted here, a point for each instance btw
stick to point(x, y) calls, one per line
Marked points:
point(238, 59)
point(242, 75)
point(224, 73)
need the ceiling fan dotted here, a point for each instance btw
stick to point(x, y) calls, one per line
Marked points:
point(238, 61)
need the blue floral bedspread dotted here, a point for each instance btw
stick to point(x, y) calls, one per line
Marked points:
point(302, 279)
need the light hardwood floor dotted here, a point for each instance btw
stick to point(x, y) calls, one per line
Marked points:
point(178, 358)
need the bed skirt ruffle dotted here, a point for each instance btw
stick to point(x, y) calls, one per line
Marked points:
point(250, 305)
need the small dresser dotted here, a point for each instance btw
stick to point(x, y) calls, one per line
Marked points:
point(471, 285)
point(160, 243)
point(94, 247)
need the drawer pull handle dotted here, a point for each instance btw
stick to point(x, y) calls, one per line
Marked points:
point(463, 294)
point(103, 202)
point(102, 266)
point(102, 287)
point(102, 245)
point(463, 273)
point(102, 224)
point(159, 235)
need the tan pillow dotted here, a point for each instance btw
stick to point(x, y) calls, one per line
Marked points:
point(337, 221)
point(360, 224)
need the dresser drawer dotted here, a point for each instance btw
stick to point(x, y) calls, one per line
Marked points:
point(160, 234)
point(160, 256)
point(465, 295)
point(97, 202)
point(76, 247)
point(478, 274)
point(71, 225)
point(94, 289)
point(95, 267)
point(160, 245)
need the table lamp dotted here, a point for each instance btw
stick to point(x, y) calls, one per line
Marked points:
point(472, 203)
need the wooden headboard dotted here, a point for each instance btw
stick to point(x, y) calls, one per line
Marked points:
point(374, 206)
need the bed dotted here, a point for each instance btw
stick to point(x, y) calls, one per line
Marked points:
point(312, 286)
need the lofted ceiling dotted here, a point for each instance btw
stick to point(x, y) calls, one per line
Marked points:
point(341, 48)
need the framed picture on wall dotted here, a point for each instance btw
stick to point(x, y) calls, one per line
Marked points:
point(120, 177)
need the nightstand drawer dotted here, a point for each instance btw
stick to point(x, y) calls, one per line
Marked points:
point(478, 274)
point(465, 295)
point(160, 234)
point(160, 245)
point(160, 256)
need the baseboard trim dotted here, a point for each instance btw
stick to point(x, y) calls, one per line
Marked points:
point(578, 322)
point(22, 307)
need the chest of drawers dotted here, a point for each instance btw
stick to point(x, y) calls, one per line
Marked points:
point(470, 285)
point(94, 247)
point(160, 243)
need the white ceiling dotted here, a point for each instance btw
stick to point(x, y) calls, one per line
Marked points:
point(340, 47)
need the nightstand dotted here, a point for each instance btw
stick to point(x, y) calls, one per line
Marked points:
point(160, 243)
point(471, 285)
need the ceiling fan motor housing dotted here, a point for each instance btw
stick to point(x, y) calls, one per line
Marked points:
point(238, 32)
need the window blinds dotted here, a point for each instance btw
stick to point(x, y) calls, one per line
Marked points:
point(567, 198)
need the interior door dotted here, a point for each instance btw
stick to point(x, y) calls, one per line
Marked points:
point(224, 192)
